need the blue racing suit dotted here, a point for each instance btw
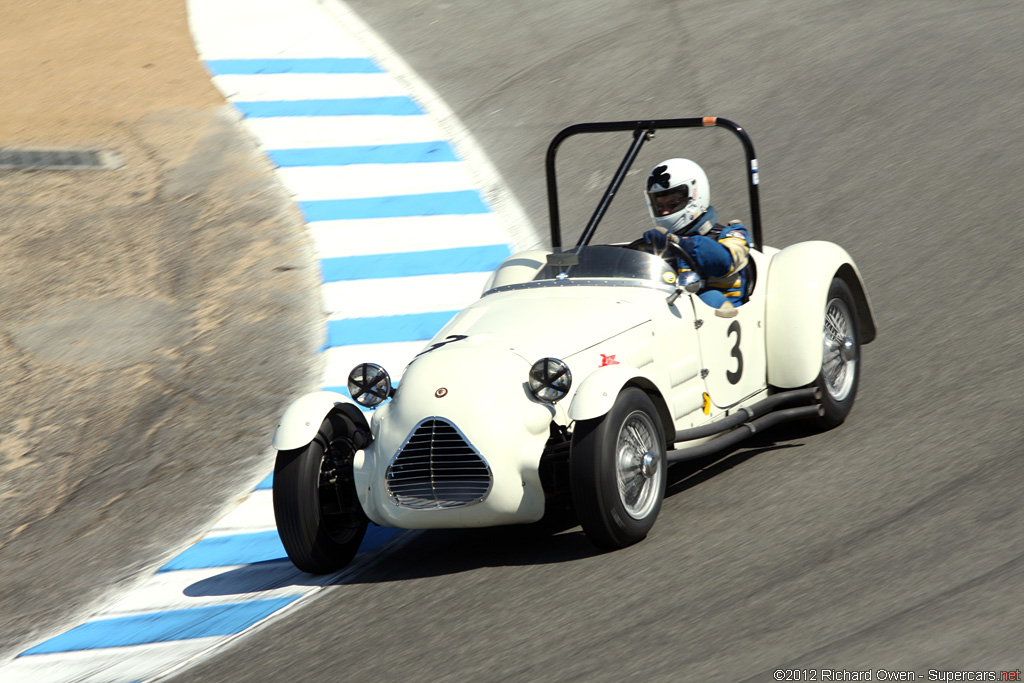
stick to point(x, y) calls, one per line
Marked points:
point(722, 254)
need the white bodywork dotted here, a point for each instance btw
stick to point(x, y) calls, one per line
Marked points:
point(798, 281)
point(302, 419)
point(696, 365)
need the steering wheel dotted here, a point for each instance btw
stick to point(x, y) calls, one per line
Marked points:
point(671, 246)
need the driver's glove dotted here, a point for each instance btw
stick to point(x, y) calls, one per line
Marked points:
point(659, 237)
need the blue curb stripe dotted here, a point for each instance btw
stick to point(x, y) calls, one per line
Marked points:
point(357, 106)
point(402, 206)
point(162, 627)
point(406, 153)
point(225, 551)
point(326, 65)
point(392, 328)
point(267, 484)
point(242, 549)
point(438, 262)
point(376, 536)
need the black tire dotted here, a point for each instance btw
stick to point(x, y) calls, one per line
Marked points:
point(617, 499)
point(840, 364)
point(319, 519)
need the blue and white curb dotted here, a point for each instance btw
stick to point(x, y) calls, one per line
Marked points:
point(406, 234)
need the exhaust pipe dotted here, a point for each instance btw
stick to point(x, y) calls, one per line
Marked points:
point(743, 431)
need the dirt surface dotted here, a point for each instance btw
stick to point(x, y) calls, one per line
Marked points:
point(154, 320)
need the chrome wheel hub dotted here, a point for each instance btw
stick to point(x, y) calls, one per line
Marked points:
point(649, 465)
point(847, 351)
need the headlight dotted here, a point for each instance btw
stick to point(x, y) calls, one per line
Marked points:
point(550, 379)
point(369, 384)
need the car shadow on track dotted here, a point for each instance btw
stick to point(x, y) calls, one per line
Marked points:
point(555, 539)
point(686, 475)
point(257, 577)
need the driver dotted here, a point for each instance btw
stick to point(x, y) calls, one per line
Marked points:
point(678, 198)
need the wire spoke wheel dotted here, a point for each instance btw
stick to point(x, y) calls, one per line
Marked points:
point(839, 361)
point(618, 471)
point(637, 472)
point(840, 355)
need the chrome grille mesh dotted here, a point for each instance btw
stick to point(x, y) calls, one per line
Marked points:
point(437, 468)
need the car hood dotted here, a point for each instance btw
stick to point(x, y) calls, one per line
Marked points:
point(543, 322)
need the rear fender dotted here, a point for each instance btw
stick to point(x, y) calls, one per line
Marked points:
point(799, 278)
point(302, 419)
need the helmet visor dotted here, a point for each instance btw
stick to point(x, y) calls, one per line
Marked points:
point(669, 201)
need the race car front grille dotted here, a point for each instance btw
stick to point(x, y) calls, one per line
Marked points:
point(437, 468)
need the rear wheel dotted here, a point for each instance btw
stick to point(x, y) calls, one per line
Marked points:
point(840, 364)
point(618, 471)
point(318, 515)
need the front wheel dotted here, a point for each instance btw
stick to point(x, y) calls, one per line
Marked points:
point(318, 515)
point(840, 363)
point(618, 471)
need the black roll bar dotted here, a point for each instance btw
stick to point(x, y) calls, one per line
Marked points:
point(643, 131)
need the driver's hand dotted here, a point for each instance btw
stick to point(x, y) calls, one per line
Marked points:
point(659, 237)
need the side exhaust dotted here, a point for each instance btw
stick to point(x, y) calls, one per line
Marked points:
point(746, 422)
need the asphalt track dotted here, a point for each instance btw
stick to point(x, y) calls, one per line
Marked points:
point(893, 542)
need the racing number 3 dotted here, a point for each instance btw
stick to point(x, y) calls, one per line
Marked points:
point(734, 377)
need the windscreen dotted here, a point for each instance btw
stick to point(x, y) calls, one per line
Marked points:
point(607, 263)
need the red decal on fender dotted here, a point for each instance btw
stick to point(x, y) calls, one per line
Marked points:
point(608, 360)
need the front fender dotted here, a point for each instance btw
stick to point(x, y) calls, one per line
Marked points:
point(302, 419)
point(799, 278)
point(597, 393)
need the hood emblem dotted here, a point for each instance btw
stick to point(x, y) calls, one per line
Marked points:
point(441, 393)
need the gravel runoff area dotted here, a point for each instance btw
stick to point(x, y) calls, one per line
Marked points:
point(154, 319)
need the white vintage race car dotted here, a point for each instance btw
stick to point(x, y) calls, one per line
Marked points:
point(580, 374)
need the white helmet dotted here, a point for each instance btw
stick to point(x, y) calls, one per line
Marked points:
point(678, 195)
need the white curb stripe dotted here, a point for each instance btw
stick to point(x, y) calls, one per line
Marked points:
point(223, 29)
point(255, 513)
point(312, 183)
point(402, 295)
point(337, 239)
point(209, 586)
